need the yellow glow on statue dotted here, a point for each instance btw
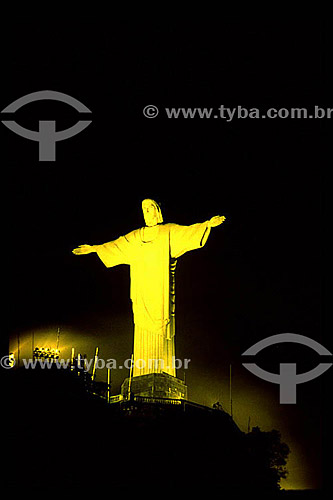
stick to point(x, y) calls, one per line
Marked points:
point(152, 252)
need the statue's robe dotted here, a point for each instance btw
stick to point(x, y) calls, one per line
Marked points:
point(152, 269)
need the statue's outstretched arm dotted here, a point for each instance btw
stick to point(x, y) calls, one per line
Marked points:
point(112, 253)
point(85, 249)
point(216, 221)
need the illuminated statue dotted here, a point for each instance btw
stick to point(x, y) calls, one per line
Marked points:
point(152, 252)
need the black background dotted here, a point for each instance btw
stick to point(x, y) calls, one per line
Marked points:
point(260, 272)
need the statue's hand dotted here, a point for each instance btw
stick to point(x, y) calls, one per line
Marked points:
point(216, 221)
point(84, 250)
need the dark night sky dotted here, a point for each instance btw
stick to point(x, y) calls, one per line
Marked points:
point(259, 273)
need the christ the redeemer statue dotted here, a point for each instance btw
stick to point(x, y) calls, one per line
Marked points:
point(152, 252)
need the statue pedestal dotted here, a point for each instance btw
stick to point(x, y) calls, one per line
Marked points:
point(155, 385)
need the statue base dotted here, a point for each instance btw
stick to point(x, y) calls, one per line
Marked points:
point(155, 385)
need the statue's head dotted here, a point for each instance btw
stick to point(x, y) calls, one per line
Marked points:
point(151, 212)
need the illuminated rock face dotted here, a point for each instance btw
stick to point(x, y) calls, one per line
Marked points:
point(152, 252)
point(155, 385)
